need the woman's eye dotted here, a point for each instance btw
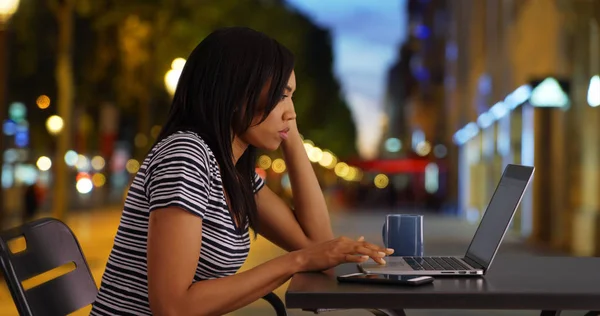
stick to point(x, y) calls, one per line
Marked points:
point(283, 96)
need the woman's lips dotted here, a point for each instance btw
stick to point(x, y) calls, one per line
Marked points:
point(284, 133)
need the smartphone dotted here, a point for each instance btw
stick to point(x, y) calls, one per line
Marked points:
point(390, 279)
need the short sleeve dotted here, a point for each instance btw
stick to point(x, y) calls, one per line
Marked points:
point(178, 176)
point(258, 183)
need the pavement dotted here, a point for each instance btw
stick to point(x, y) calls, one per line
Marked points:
point(444, 235)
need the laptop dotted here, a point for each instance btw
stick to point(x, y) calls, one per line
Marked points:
point(485, 243)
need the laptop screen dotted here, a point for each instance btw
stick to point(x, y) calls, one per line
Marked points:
point(499, 213)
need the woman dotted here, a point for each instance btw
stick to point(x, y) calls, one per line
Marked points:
point(184, 229)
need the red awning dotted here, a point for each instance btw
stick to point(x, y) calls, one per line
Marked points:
point(390, 166)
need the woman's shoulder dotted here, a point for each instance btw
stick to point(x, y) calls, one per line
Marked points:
point(182, 145)
point(185, 140)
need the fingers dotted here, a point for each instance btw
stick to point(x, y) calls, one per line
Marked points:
point(375, 252)
point(387, 251)
point(360, 250)
point(377, 256)
point(355, 258)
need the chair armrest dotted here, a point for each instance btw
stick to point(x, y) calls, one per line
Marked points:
point(276, 303)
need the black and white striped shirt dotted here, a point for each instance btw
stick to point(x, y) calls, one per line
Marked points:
point(180, 171)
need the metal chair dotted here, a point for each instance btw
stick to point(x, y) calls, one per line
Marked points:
point(50, 244)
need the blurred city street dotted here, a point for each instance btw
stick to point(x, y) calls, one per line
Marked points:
point(403, 106)
point(443, 235)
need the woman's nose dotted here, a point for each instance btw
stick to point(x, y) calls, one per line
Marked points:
point(289, 114)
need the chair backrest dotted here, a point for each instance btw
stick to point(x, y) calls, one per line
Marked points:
point(50, 244)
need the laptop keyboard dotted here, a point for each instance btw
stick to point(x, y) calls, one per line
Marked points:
point(435, 263)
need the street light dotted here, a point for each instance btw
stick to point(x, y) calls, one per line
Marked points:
point(54, 124)
point(172, 76)
point(7, 9)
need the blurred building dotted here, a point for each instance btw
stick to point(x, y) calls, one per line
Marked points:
point(518, 77)
point(400, 85)
point(415, 92)
point(507, 81)
point(414, 106)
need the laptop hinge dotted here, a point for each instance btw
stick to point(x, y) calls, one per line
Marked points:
point(473, 263)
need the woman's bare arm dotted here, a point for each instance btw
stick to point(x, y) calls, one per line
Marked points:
point(310, 208)
point(174, 241)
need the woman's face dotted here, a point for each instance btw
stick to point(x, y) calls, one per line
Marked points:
point(269, 134)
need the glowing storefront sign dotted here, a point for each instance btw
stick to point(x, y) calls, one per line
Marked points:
point(549, 93)
point(593, 97)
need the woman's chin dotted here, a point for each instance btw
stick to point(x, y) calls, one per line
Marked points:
point(268, 147)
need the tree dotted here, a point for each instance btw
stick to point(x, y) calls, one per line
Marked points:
point(152, 33)
point(119, 51)
point(64, 12)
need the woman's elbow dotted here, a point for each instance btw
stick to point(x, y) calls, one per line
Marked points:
point(166, 306)
point(177, 306)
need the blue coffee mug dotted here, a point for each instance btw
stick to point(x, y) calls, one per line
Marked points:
point(404, 234)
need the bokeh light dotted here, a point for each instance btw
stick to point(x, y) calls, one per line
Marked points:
point(342, 169)
point(71, 158)
point(9, 127)
point(178, 63)
point(172, 76)
point(98, 163)
point(393, 145)
point(155, 131)
point(381, 181)
point(84, 185)
point(83, 163)
point(132, 166)
point(423, 148)
point(17, 111)
point(43, 102)
point(278, 165)
point(44, 163)
point(264, 162)
point(11, 155)
point(54, 124)
point(98, 180)
point(328, 159)
point(315, 154)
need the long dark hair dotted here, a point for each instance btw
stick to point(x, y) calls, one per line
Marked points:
point(218, 95)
